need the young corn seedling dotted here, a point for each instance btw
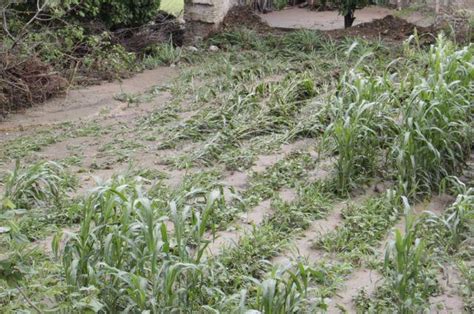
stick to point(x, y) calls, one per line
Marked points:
point(453, 227)
point(139, 255)
point(37, 185)
point(286, 290)
point(405, 267)
point(360, 114)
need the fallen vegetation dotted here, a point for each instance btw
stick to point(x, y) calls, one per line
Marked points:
point(255, 142)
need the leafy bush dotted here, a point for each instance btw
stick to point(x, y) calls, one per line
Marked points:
point(114, 13)
point(121, 13)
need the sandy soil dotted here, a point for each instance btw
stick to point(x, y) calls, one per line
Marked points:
point(329, 20)
point(83, 103)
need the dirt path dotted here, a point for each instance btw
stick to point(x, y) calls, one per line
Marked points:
point(86, 102)
point(327, 20)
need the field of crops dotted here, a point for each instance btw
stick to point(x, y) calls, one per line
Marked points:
point(281, 174)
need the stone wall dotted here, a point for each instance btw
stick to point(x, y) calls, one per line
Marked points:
point(204, 16)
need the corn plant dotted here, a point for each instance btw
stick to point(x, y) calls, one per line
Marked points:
point(36, 185)
point(361, 119)
point(141, 256)
point(405, 263)
point(435, 135)
point(286, 290)
point(454, 225)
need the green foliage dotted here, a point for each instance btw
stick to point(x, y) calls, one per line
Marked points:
point(37, 185)
point(286, 290)
point(347, 6)
point(246, 112)
point(141, 245)
point(362, 228)
point(114, 13)
point(435, 134)
point(361, 125)
point(424, 121)
point(406, 265)
point(162, 54)
point(450, 230)
point(285, 173)
point(10, 272)
point(158, 266)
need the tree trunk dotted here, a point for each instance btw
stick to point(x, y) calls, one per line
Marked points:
point(349, 18)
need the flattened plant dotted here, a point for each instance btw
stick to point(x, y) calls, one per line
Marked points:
point(37, 185)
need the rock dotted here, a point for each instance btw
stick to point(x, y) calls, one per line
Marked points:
point(213, 48)
point(192, 49)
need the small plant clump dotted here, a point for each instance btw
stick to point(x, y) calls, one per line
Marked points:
point(41, 184)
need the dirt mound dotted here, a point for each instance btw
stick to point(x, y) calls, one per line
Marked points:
point(26, 82)
point(244, 16)
point(389, 28)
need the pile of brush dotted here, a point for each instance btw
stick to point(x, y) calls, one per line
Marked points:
point(26, 81)
point(165, 28)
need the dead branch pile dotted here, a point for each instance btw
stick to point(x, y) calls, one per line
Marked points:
point(165, 29)
point(25, 82)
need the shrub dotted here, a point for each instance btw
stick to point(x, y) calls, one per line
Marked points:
point(114, 13)
point(121, 13)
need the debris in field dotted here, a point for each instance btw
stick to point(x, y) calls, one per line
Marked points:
point(191, 48)
point(165, 28)
point(457, 21)
point(244, 16)
point(389, 28)
point(213, 48)
point(26, 82)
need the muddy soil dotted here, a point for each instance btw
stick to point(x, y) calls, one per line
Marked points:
point(389, 28)
point(83, 103)
point(296, 18)
point(244, 16)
